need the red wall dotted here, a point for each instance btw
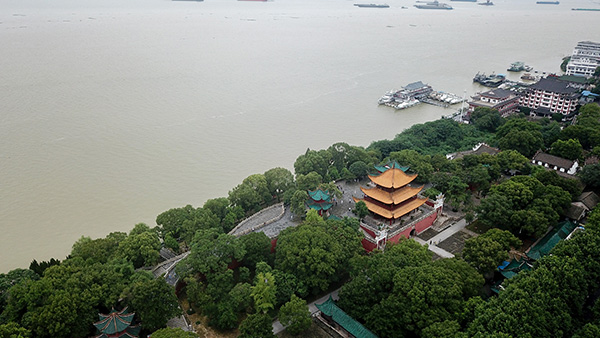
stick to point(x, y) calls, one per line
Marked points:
point(369, 231)
point(425, 223)
point(419, 227)
point(405, 234)
point(273, 244)
point(369, 246)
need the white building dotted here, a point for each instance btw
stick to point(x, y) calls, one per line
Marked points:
point(550, 96)
point(561, 165)
point(504, 101)
point(585, 59)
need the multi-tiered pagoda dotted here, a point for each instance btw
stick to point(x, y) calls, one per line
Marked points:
point(392, 197)
point(396, 208)
point(117, 324)
point(319, 200)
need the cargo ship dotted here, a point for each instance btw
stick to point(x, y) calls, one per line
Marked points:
point(493, 80)
point(516, 67)
point(586, 9)
point(547, 2)
point(372, 5)
point(433, 5)
point(487, 3)
point(465, 0)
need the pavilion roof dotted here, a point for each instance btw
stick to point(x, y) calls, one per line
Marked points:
point(114, 322)
point(319, 205)
point(130, 332)
point(319, 195)
point(390, 165)
point(395, 197)
point(549, 241)
point(392, 178)
point(512, 268)
point(355, 328)
point(395, 213)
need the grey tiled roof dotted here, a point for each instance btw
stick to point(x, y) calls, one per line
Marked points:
point(553, 85)
point(553, 160)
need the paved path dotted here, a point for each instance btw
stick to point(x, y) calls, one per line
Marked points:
point(277, 327)
point(258, 219)
point(287, 220)
point(442, 236)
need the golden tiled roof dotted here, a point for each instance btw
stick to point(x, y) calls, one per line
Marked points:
point(395, 197)
point(398, 212)
point(392, 178)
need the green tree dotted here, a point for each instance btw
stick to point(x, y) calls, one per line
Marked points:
point(570, 149)
point(308, 181)
point(589, 330)
point(173, 333)
point(315, 254)
point(252, 194)
point(421, 296)
point(590, 175)
point(486, 119)
point(172, 220)
point(279, 180)
point(257, 325)
point(511, 160)
point(361, 210)
point(264, 292)
point(294, 315)
point(359, 169)
point(288, 285)
point(298, 202)
point(154, 301)
point(241, 296)
point(487, 251)
point(258, 248)
point(376, 274)
point(211, 251)
point(520, 135)
point(445, 329)
point(141, 248)
point(13, 330)
point(99, 250)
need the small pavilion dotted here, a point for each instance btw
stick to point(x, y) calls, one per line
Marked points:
point(117, 324)
point(320, 200)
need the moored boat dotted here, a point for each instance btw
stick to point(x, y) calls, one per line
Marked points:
point(433, 5)
point(516, 67)
point(487, 3)
point(547, 2)
point(372, 5)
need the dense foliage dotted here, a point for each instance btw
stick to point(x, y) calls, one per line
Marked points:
point(240, 282)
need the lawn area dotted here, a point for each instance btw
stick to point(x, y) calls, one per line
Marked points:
point(478, 227)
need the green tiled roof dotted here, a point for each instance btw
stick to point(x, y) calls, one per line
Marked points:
point(115, 323)
point(319, 195)
point(390, 165)
point(544, 245)
point(319, 205)
point(348, 323)
point(515, 267)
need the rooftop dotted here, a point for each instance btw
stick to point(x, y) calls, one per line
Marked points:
point(355, 328)
point(498, 93)
point(549, 241)
point(553, 160)
point(392, 178)
point(553, 85)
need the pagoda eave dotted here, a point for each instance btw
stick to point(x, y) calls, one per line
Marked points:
point(397, 212)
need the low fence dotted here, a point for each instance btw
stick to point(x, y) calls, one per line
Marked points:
point(256, 215)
